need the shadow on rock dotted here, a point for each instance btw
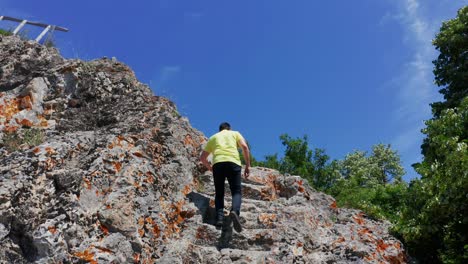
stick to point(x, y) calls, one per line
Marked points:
point(203, 204)
point(226, 234)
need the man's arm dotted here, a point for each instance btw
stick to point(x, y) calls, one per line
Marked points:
point(246, 152)
point(204, 160)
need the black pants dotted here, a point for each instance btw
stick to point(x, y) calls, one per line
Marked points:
point(232, 172)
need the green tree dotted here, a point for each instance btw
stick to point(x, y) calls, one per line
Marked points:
point(437, 213)
point(435, 219)
point(299, 159)
point(297, 156)
point(386, 164)
point(271, 161)
point(451, 66)
point(371, 183)
point(381, 167)
point(356, 167)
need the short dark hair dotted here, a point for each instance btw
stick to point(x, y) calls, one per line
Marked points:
point(224, 125)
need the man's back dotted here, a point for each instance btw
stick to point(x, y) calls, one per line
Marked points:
point(224, 146)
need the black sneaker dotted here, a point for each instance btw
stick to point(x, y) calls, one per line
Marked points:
point(236, 222)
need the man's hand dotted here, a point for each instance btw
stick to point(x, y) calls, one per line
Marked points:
point(246, 152)
point(204, 160)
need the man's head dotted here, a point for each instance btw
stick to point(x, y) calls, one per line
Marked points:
point(224, 126)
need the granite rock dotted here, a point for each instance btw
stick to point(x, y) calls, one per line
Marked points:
point(113, 176)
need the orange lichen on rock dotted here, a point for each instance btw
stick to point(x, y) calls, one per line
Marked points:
point(50, 150)
point(42, 121)
point(203, 234)
point(397, 245)
point(86, 256)
point(156, 230)
point(149, 178)
point(137, 154)
point(149, 220)
point(141, 221)
point(87, 183)
point(188, 140)
point(400, 258)
point(104, 229)
point(267, 219)
point(359, 219)
point(370, 257)
point(24, 122)
point(337, 241)
point(300, 189)
point(268, 193)
point(52, 229)
point(381, 245)
point(103, 249)
point(136, 258)
point(333, 205)
point(117, 166)
point(10, 128)
point(363, 231)
point(174, 217)
point(187, 189)
point(10, 108)
point(49, 163)
point(120, 138)
point(25, 103)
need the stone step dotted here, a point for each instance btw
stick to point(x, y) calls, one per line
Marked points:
point(225, 237)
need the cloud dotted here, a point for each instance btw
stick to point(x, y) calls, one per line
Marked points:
point(167, 73)
point(420, 21)
point(163, 78)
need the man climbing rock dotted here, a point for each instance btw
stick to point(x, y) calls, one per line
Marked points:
point(227, 164)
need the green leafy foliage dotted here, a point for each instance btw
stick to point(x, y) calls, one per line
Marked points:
point(299, 159)
point(437, 212)
point(381, 201)
point(372, 182)
point(434, 222)
point(451, 66)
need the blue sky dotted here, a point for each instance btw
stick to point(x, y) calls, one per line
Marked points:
point(349, 74)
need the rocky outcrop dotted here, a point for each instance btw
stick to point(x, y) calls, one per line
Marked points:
point(285, 221)
point(95, 168)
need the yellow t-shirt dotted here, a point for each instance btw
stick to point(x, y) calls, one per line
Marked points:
point(223, 146)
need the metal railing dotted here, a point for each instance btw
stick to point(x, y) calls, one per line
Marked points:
point(23, 22)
